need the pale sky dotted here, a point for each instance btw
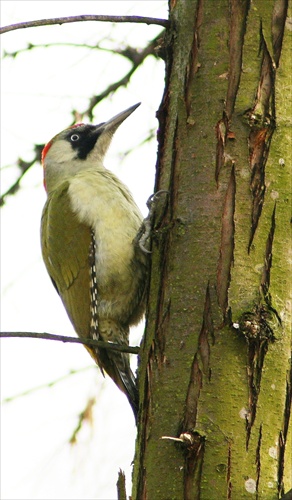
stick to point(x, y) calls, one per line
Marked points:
point(39, 89)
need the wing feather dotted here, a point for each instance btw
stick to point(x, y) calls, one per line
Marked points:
point(65, 247)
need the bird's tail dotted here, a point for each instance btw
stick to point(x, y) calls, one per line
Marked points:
point(116, 363)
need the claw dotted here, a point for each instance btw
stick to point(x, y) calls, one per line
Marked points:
point(147, 222)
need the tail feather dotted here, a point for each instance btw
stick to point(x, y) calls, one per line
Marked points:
point(117, 364)
point(130, 389)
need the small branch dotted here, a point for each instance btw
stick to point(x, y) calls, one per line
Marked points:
point(123, 82)
point(121, 486)
point(76, 19)
point(128, 52)
point(73, 340)
point(85, 416)
point(32, 46)
point(96, 99)
point(24, 166)
point(47, 385)
point(16, 185)
point(147, 139)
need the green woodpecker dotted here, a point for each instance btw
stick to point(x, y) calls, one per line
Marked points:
point(90, 245)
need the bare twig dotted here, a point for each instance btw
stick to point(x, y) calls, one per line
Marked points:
point(128, 52)
point(24, 166)
point(32, 46)
point(140, 56)
point(48, 385)
point(73, 340)
point(121, 486)
point(85, 416)
point(90, 17)
point(149, 138)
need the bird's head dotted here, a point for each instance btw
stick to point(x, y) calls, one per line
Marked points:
point(80, 147)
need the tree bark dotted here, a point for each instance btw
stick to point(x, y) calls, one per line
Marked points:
point(215, 370)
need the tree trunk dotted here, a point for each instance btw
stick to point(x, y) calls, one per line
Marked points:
point(215, 364)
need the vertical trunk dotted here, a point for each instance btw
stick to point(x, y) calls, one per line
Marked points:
point(215, 372)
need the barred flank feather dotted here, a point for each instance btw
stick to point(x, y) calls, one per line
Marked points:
point(93, 290)
point(116, 364)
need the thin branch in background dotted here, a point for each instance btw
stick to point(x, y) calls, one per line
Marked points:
point(24, 166)
point(76, 19)
point(32, 46)
point(136, 57)
point(149, 138)
point(48, 385)
point(72, 340)
point(85, 416)
point(123, 82)
point(128, 52)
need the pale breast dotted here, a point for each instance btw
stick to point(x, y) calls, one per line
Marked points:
point(101, 201)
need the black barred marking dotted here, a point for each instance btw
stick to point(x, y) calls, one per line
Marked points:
point(93, 290)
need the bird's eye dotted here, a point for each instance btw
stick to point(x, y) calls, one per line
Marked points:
point(74, 137)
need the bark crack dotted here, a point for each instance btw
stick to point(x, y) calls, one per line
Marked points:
point(266, 274)
point(255, 327)
point(194, 457)
point(227, 246)
point(258, 328)
point(194, 447)
point(258, 460)
point(284, 432)
point(278, 26)
point(238, 17)
point(207, 332)
point(221, 135)
point(202, 356)
point(228, 476)
point(193, 394)
point(193, 63)
point(262, 121)
point(265, 281)
point(273, 315)
point(256, 355)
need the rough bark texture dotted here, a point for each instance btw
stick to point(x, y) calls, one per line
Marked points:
point(215, 368)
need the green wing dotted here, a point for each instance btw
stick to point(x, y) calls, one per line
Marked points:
point(65, 248)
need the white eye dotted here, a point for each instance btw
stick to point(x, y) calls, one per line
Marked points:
point(74, 137)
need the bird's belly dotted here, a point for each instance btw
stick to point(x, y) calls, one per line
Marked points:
point(114, 274)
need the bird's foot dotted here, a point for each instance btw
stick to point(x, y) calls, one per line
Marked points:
point(144, 233)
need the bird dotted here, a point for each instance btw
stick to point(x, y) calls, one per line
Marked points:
point(90, 230)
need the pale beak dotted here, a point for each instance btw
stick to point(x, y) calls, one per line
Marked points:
point(112, 124)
